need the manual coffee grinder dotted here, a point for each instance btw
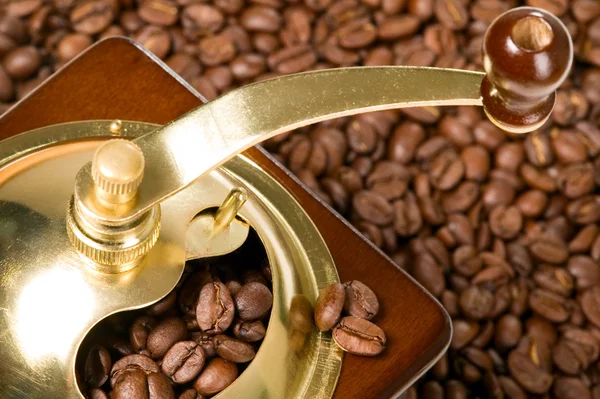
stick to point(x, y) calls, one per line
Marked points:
point(81, 239)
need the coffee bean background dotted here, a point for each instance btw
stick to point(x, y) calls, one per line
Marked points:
point(502, 229)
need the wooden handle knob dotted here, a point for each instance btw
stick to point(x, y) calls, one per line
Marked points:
point(527, 54)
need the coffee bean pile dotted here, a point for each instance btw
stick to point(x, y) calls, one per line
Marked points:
point(193, 343)
point(354, 333)
point(502, 229)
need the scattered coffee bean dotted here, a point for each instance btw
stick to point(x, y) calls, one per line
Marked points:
point(359, 336)
point(360, 300)
point(329, 306)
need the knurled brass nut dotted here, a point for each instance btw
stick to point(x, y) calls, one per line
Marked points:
point(118, 167)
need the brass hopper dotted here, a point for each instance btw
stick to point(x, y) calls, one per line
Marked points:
point(120, 242)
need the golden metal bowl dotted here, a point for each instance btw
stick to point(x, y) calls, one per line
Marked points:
point(50, 299)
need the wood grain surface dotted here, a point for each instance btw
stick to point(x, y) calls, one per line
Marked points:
point(115, 79)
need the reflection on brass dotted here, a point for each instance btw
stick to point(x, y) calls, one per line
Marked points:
point(300, 323)
point(251, 114)
point(203, 241)
point(49, 298)
point(301, 314)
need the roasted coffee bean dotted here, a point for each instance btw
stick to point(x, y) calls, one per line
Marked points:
point(548, 305)
point(506, 222)
point(427, 272)
point(396, 27)
point(373, 208)
point(97, 367)
point(582, 241)
point(360, 300)
point(585, 271)
point(508, 332)
point(571, 388)
point(215, 309)
point(498, 192)
point(359, 336)
point(190, 394)
point(261, 19)
point(136, 383)
point(590, 300)
point(451, 13)
point(254, 276)
point(201, 19)
point(253, 301)
point(476, 302)
point(71, 45)
point(157, 40)
point(584, 210)
point(92, 16)
point(216, 50)
point(554, 279)
point(183, 361)
point(549, 249)
point(569, 148)
point(215, 377)
point(22, 63)
point(464, 332)
point(127, 363)
point(139, 332)
point(164, 335)
point(466, 261)
point(249, 331)
point(569, 356)
point(329, 306)
point(461, 198)
point(97, 393)
point(159, 12)
point(206, 342)
point(527, 374)
point(233, 350)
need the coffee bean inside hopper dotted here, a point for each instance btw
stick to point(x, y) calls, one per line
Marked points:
point(194, 342)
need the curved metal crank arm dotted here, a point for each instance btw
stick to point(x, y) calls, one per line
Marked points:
point(203, 139)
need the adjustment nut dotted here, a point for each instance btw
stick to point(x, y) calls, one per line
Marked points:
point(117, 170)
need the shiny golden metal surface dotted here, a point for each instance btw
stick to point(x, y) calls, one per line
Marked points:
point(117, 170)
point(229, 208)
point(50, 299)
point(203, 241)
point(251, 114)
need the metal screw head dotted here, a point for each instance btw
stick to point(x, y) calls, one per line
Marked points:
point(115, 127)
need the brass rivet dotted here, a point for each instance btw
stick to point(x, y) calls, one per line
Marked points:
point(115, 127)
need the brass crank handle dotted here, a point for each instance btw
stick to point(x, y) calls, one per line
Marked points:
point(527, 55)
